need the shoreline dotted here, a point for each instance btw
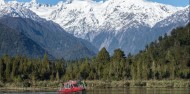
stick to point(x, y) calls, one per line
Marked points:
point(141, 83)
point(91, 84)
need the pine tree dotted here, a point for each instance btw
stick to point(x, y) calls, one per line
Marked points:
point(8, 68)
point(117, 59)
point(57, 76)
point(102, 59)
point(1, 69)
point(45, 70)
point(15, 67)
point(171, 60)
point(103, 56)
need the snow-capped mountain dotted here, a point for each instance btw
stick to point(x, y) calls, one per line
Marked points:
point(80, 17)
point(125, 24)
point(178, 19)
point(14, 9)
point(112, 24)
point(47, 34)
point(2, 2)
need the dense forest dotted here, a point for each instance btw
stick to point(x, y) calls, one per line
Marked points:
point(166, 58)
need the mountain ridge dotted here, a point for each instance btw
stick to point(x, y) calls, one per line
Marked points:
point(49, 35)
point(16, 43)
point(112, 24)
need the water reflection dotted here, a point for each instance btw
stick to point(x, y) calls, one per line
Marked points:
point(141, 91)
point(113, 91)
point(81, 92)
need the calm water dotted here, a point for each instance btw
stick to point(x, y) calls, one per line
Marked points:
point(116, 91)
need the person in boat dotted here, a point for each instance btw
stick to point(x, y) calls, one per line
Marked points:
point(73, 86)
point(64, 85)
point(82, 83)
point(79, 83)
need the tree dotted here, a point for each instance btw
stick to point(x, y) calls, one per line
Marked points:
point(118, 55)
point(60, 67)
point(102, 59)
point(103, 56)
point(134, 71)
point(15, 67)
point(45, 70)
point(1, 69)
point(171, 59)
point(8, 67)
point(57, 76)
point(84, 69)
point(117, 60)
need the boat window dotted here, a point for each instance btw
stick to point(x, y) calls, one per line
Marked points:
point(67, 86)
point(75, 85)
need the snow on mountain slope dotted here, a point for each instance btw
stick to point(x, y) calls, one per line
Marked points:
point(112, 24)
point(178, 19)
point(124, 24)
point(47, 34)
point(2, 2)
point(80, 17)
point(14, 9)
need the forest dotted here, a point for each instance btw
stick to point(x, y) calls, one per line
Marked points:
point(168, 58)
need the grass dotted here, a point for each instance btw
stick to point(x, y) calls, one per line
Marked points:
point(139, 83)
point(169, 83)
point(26, 85)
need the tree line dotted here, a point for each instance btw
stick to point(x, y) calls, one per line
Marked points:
point(166, 58)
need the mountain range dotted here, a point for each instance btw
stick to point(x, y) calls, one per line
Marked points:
point(47, 34)
point(125, 24)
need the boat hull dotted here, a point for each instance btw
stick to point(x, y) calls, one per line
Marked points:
point(71, 91)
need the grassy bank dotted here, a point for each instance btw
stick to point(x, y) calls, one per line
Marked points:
point(27, 85)
point(149, 83)
point(54, 85)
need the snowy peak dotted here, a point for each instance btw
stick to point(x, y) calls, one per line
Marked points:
point(78, 0)
point(48, 35)
point(108, 23)
point(2, 2)
point(17, 10)
point(34, 1)
point(80, 17)
point(137, 1)
point(179, 18)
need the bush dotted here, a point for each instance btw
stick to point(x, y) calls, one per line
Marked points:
point(26, 84)
point(1, 84)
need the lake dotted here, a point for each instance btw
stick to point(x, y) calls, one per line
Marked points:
point(114, 91)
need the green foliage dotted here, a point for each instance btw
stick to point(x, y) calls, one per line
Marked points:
point(167, 58)
point(19, 68)
point(103, 56)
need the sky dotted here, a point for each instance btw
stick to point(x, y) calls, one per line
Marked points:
point(178, 3)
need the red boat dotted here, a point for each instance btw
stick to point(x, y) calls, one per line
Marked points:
point(71, 87)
